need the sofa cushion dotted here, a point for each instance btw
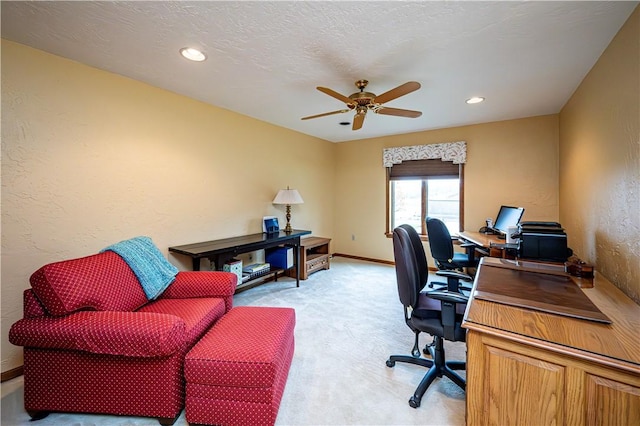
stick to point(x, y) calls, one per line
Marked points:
point(32, 308)
point(133, 334)
point(198, 314)
point(102, 282)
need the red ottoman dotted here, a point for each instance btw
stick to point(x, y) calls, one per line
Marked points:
point(237, 372)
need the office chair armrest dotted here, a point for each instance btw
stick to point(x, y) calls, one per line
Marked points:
point(470, 250)
point(447, 296)
point(448, 301)
point(452, 274)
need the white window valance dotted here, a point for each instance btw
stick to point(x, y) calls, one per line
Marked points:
point(449, 151)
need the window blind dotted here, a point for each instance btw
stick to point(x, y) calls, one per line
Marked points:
point(424, 169)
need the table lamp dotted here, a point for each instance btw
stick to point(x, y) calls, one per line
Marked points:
point(287, 197)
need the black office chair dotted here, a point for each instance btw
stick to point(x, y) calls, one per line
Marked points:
point(442, 248)
point(438, 313)
point(453, 280)
point(421, 257)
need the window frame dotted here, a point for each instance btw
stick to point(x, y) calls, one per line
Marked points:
point(423, 213)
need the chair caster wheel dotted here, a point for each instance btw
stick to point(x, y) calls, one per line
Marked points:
point(390, 363)
point(414, 402)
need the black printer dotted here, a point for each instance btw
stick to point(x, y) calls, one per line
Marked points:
point(542, 241)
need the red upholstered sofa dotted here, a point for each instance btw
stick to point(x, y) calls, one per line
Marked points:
point(94, 343)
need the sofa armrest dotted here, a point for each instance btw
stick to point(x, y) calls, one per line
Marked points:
point(189, 284)
point(135, 334)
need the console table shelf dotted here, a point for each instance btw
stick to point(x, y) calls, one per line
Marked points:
point(272, 275)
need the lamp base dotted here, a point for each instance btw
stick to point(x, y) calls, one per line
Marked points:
point(288, 228)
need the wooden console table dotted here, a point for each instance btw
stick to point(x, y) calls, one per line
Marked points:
point(547, 348)
point(221, 251)
point(314, 256)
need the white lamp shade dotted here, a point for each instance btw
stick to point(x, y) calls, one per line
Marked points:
point(288, 196)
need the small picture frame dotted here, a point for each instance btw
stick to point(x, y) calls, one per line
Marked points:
point(270, 225)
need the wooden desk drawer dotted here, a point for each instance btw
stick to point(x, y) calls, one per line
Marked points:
point(318, 262)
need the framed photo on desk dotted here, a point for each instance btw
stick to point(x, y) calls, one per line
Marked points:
point(270, 225)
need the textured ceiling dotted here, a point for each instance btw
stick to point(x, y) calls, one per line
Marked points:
point(265, 58)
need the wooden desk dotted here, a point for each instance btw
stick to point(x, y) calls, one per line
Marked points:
point(485, 243)
point(526, 365)
point(221, 251)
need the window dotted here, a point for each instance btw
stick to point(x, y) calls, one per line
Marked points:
point(421, 188)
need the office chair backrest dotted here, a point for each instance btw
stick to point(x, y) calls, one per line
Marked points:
point(407, 276)
point(439, 240)
point(446, 323)
point(421, 256)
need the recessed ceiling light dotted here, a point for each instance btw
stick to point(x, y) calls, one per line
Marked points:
point(192, 54)
point(475, 100)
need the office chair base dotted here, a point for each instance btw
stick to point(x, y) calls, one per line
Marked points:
point(438, 367)
point(423, 362)
point(435, 371)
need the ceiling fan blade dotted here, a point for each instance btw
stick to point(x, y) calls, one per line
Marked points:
point(399, 112)
point(359, 119)
point(325, 113)
point(336, 95)
point(401, 90)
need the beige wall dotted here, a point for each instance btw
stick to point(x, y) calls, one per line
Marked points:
point(90, 158)
point(511, 162)
point(600, 162)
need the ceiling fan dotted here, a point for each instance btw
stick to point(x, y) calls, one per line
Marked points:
point(363, 101)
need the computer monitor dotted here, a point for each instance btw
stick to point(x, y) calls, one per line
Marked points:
point(508, 216)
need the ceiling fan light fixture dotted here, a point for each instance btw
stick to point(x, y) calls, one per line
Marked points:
point(193, 54)
point(475, 100)
point(363, 101)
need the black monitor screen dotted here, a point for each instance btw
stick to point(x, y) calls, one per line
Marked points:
point(508, 216)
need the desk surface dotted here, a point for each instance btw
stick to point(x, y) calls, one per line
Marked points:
point(616, 344)
point(540, 290)
point(481, 239)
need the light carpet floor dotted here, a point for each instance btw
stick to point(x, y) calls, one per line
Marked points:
point(348, 321)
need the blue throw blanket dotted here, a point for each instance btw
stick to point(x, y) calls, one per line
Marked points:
point(154, 272)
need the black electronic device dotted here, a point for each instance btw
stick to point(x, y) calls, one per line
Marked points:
point(507, 216)
point(541, 225)
point(545, 241)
